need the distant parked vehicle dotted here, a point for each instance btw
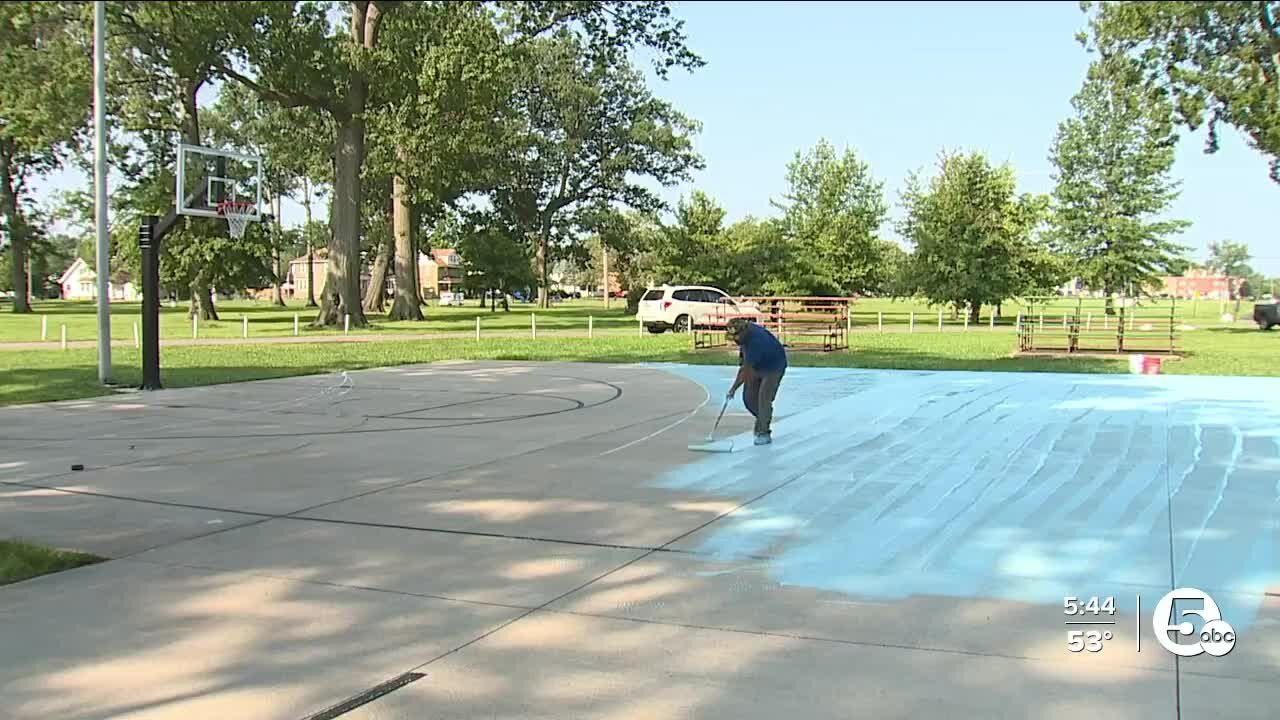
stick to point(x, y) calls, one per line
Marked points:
point(452, 299)
point(682, 307)
point(1266, 315)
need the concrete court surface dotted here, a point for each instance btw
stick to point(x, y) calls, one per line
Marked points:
point(523, 540)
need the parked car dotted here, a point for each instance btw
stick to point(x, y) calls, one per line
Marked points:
point(682, 307)
point(1266, 315)
point(455, 299)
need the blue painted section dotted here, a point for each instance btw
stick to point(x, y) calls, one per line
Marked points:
point(1021, 486)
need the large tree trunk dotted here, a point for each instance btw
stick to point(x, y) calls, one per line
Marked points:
point(19, 247)
point(311, 250)
point(279, 235)
point(544, 283)
point(329, 301)
point(202, 302)
point(375, 294)
point(344, 251)
point(406, 305)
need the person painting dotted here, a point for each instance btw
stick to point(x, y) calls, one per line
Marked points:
point(762, 361)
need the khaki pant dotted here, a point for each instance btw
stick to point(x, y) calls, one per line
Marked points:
point(758, 395)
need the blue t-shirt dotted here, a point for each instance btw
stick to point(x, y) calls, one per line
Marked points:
point(761, 350)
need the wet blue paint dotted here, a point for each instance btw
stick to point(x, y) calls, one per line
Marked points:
point(1020, 486)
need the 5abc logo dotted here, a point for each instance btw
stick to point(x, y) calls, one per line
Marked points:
point(1215, 637)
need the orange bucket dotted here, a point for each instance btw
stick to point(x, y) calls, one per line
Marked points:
point(1150, 365)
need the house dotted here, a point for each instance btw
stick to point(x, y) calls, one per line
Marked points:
point(80, 282)
point(1201, 283)
point(438, 271)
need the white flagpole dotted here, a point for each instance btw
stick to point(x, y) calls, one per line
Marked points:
point(100, 183)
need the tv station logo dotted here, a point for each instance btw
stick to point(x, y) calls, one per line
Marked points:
point(1215, 636)
point(1092, 622)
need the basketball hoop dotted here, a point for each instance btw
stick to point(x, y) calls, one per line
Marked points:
point(238, 214)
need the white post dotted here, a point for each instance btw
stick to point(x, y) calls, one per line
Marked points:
point(244, 325)
point(477, 328)
point(195, 326)
point(100, 188)
point(346, 324)
point(1042, 320)
point(44, 328)
point(136, 344)
point(848, 321)
point(1088, 322)
point(533, 325)
point(295, 324)
point(1017, 325)
point(966, 320)
point(604, 254)
point(939, 321)
point(590, 325)
point(64, 337)
point(993, 318)
point(913, 321)
point(880, 320)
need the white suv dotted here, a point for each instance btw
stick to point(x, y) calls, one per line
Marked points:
point(679, 307)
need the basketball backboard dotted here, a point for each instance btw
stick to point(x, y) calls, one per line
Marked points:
point(208, 176)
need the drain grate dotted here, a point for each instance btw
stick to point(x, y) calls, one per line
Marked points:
point(367, 696)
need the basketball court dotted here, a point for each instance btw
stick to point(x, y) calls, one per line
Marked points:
point(525, 540)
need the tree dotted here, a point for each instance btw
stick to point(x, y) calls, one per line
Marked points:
point(1113, 160)
point(832, 212)
point(973, 235)
point(692, 249)
point(587, 130)
point(161, 62)
point(496, 259)
point(44, 104)
point(1231, 259)
point(434, 134)
point(287, 53)
point(294, 145)
point(1218, 60)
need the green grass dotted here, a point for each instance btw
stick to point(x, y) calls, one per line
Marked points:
point(45, 375)
point(20, 561)
point(267, 320)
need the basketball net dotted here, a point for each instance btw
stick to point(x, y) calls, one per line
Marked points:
point(238, 214)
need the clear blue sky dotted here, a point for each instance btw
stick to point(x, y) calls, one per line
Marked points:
point(899, 82)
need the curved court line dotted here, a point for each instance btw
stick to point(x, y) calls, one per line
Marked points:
point(358, 428)
point(652, 435)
